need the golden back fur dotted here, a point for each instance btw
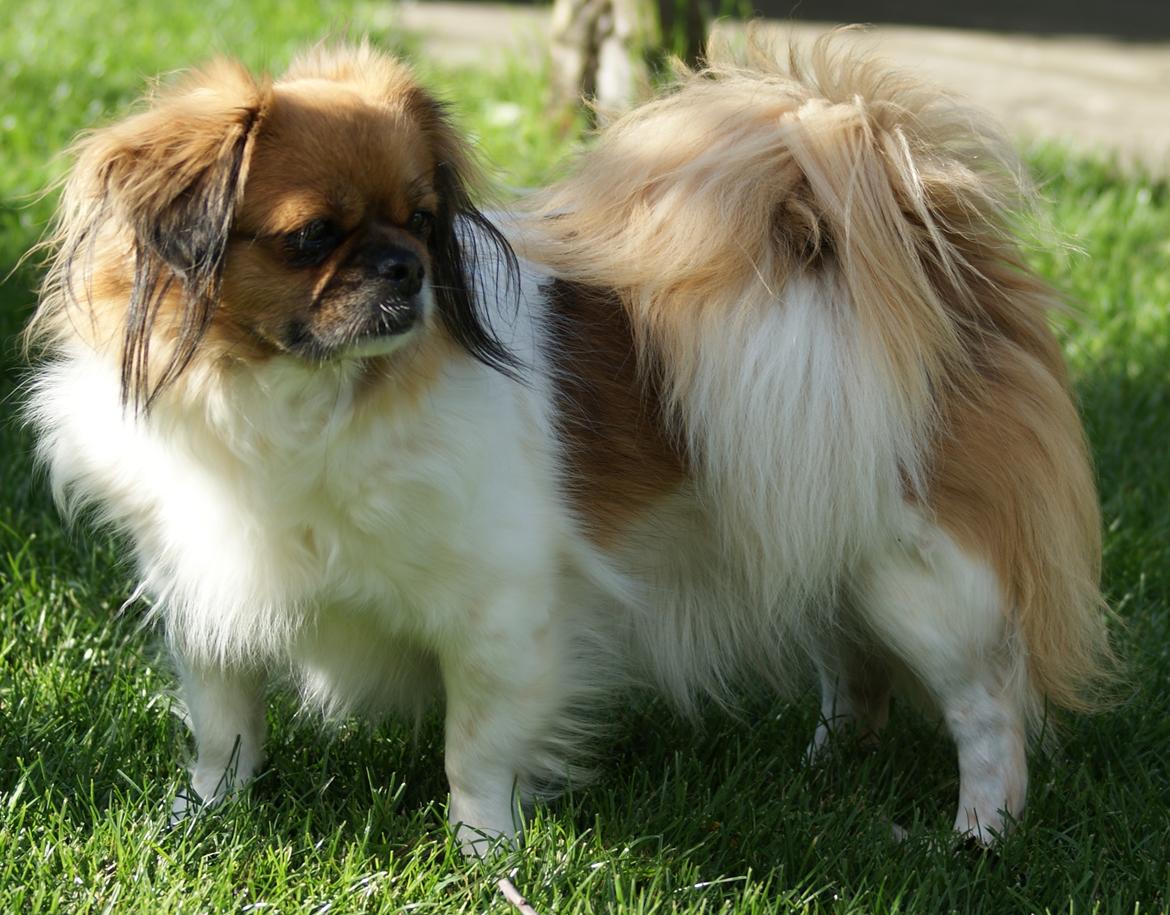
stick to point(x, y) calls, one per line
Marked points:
point(747, 176)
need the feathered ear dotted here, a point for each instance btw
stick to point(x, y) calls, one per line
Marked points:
point(170, 177)
point(466, 248)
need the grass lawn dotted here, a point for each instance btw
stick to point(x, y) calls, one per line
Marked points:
point(719, 817)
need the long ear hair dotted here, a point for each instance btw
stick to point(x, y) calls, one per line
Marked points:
point(167, 180)
point(466, 248)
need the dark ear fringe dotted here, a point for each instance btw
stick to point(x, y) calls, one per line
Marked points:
point(186, 243)
point(461, 237)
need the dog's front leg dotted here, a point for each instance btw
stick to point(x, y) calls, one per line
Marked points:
point(503, 681)
point(225, 710)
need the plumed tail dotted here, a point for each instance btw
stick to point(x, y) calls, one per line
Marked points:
point(820, 260)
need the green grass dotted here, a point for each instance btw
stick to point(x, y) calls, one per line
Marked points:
point(716, 818)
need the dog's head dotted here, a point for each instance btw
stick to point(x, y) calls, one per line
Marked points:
point(324, 215)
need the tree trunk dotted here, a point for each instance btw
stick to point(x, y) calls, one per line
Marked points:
point(601, 48)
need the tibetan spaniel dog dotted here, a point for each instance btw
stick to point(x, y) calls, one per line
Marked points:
point(767, 384)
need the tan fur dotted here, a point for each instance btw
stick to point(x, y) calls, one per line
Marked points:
point(128, 176)
point(301, 172)
point(401, 381)
point(744, 178)
point(1011, 481)
point(128, 171)
point(621, 460)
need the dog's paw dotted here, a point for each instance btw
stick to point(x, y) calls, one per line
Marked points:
point(184, 807)
point(191, 799)
point(480, 843)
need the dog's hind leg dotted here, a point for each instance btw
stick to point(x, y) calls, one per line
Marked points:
point(940, 611)
point(855, 693)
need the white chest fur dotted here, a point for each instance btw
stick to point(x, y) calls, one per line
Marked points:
point(282, 495)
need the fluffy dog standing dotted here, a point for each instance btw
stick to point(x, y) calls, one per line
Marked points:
point(267, 365)
point(883, 462)
point(774, 381)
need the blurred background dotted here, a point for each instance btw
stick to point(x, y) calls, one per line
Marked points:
point(1094, 75)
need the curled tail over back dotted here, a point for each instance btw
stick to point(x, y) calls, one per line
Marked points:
point(819, 264)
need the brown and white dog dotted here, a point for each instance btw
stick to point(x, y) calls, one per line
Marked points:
point(772, 382)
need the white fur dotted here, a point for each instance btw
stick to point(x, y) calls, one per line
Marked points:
point(940, 612)
point(378, 557)
point(793, 484)
point(384, 558)
point(796, 540)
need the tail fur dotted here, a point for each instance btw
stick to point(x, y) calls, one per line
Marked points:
point(822, 259)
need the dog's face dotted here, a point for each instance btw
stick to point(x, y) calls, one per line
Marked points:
point(316, 217)
point(331, 252)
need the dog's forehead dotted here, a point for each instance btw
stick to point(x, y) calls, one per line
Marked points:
point(327, 145)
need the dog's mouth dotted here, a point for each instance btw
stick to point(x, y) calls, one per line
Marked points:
point(373, 329)
point(395, 317)
point(396, 323)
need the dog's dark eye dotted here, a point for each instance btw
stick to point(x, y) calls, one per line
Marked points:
point(422, 224)
point(312, 242)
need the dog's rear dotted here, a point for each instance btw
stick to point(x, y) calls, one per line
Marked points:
point(818, 269)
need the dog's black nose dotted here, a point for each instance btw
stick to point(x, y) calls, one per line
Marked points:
point(402, 269)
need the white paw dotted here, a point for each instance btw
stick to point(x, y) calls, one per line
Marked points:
point(208, 788)
point(185, 805)
point(483, 843)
